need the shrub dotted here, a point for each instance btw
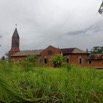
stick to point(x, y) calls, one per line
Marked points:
point(57, 60)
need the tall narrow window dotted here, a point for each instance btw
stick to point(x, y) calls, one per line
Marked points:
point(80, 60)
point(45, 60)
point(67, 60)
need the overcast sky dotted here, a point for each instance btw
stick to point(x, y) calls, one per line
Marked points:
point(61, 23)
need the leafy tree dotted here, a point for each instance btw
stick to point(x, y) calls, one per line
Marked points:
point(101, 8)
point(3, 58)
point(57, 59)
point(6, 55)
point(97, 50)
point(29, 62)
point(30, 58)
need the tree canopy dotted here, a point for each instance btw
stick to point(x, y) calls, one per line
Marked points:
point(97, 50)
point(57, 59)
point(101, 8)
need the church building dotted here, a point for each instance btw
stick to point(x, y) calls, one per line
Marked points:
point(15, 54)
point(74, 56)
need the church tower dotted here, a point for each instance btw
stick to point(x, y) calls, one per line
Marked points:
point(15, 43)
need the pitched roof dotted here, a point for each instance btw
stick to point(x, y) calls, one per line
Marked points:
point(51, 47)
point(71, 50)
point(15, 34)
point(96, 56)
point(28, 52)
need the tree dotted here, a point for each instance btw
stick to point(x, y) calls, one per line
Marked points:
point(101, 8)
point(97, 50)
point(2, 58)
point(6, 55)
point(57, 60)
point(30, 58)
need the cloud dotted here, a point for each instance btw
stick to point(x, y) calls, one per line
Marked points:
point(97, 27)
point(50, 22)
point(76, 32)
point(0, 36)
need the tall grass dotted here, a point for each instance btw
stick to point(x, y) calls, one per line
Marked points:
point(50, 85)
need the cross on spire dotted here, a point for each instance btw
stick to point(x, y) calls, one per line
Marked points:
point(16, 25)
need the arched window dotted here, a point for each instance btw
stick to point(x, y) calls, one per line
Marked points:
point(68, 59)
point(80, 60)
point(90, 62)
point(45, 60)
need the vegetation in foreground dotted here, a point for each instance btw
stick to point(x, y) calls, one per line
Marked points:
point(50, 85)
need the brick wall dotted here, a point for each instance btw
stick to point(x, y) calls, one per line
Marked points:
point(17, 58)
point(75, 59)
point(96, 64)
point(47, 54)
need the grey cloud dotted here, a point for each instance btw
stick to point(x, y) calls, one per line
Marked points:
point(49, 22)
point(97, 27)
point(0, 36)
point(76, 32)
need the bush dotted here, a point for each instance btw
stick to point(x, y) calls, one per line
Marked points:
point(57, 60)
point(27, 65)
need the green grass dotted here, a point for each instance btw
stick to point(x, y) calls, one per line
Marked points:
point(50, 85)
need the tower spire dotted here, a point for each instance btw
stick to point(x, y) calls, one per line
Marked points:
point(15, 34)
point(15, 43)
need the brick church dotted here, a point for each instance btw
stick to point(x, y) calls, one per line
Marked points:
point(74, 56)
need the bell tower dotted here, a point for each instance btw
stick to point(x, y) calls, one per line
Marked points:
point(15, 43)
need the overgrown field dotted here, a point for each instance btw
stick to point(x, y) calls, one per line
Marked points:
point(50, 85)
